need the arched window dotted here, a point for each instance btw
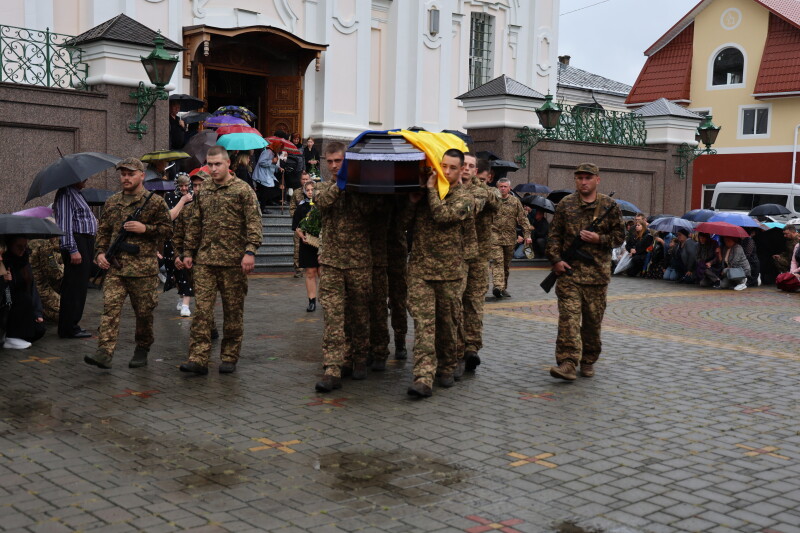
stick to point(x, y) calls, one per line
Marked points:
point(728, 67)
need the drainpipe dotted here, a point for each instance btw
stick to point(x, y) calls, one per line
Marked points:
point(794, 153)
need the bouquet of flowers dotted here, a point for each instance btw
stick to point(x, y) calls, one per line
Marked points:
point(311, 225)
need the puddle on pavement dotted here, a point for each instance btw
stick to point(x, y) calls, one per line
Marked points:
point(25, 411)
point(572, 527)
point(400, 475)
point(219, 476)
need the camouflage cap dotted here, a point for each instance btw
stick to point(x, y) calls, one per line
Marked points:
point(131, 163)
point(588, 168)
point(201, 175)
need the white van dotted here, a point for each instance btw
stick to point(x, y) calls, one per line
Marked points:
point(742, 197)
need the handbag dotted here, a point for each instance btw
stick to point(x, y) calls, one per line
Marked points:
point(735, 273)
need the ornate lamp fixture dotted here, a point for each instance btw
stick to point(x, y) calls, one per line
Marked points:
point(159, 66)
point(707, 134)
point(549, 115)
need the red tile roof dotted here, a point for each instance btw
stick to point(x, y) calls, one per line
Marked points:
point(788, 10)
point(780, 64)
point(667, 73)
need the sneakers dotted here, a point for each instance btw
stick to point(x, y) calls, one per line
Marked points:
point(194, 367)
point(587, 370)
point(328, 383)
point(497, 293)
point(740, 287)
point(419, 390)
point(180, 304)
point(100, 360)
point(471, 360)
point(12, 343)
point(565, 370)
point(139, 358)
point(185, 311)
point(227, 367)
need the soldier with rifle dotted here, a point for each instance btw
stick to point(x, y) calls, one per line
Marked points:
point(586, 226)
point(131, 230)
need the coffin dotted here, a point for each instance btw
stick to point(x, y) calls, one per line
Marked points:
point(384, 164)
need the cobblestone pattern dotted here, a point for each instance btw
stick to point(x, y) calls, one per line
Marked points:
point(689, 425)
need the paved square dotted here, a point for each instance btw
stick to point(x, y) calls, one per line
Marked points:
point(691, 424)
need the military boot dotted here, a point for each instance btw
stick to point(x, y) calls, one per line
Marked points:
point(565, 370)
point(328, 383)
point(420, 390)
point(139, 357)
point(459, 372)
point(446, 380)
point(400, 351)
point(587, 370)
point(99, 359)
point(359, 371)
point(471, 360)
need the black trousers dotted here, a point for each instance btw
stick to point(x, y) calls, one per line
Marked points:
point(74, 286)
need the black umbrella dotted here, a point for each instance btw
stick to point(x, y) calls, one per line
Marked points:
point(197, 148)
point(30, 227)
point(188, 103)
point(766, 210)
point(195, 116)
point(500, 164)
point(159, 185)
point(557, 196)
point(533, 188)
point(96, 196)
point(539, 202)
point(461, 135)
point(488, 155)
point(69, 170)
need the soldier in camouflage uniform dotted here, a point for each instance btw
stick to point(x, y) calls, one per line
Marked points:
point(485, 204)
point(436, 273)
point(581, 287)
point(378, 310)
point(396, 271)
point(137, 274)
point(297, 197)
point(221, 240)
point(346, 280)
point(48, 270)
point(783, 260)
point(504, 230)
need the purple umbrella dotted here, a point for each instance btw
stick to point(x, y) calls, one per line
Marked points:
point(159, 185)
point(38, 212)
point(224, 120)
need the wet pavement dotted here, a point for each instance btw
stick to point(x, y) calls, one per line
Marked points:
point(691, 424)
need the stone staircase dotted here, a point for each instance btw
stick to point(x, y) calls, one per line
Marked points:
point(277, 248)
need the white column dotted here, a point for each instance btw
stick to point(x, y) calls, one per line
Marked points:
point(39, 14)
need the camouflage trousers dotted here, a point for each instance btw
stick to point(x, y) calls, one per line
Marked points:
point(345, 297)
point(296, 240)
point(379, 315)
point(580, 315)
point(144, 299)
point(477, 283)
point(436, 309)
point(51, 301)
point(782, 264)
point(501, 260)
point(397, 273)
point(231, 283)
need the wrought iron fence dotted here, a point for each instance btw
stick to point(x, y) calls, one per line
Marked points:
point(588, 124)
point(43, 58)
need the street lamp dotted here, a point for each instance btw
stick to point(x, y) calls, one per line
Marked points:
point(707, 134)
point(549, 115)
point(159, 66)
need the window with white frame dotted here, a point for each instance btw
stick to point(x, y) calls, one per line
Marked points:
point(481, 39)
point(754, 121)
point(728, 67)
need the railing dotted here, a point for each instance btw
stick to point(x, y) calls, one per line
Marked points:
point(586, 124)
point(42, 58)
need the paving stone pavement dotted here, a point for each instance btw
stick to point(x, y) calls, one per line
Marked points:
point(691, 424)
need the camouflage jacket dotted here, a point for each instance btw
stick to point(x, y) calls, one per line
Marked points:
point(180, 224)
point(486, 205)
point(345, 236)
point(397, 239)
point(573, 215)
point(224, 224)
point(509, 215)
point(297, 197)
point(379, 232)
point(158, 229)
point(437, 252)
point(46, 262)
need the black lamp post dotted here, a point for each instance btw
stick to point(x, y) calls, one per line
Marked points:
point(707, 134)
point(159, 66)
point(549, 115)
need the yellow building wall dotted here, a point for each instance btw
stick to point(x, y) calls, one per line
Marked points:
point(749, 31)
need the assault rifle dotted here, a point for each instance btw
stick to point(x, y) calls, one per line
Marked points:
point(574, 251)
point(119, 244)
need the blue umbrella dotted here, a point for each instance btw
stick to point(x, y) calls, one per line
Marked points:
point(699, 215)
point(628, 208)
point(242, 141)
point(737, 219)
point(671, 225)
point(773, 225)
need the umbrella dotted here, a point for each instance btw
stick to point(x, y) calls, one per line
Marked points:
point(225, 130)
point(737, 219)
point(204, 168)
point(671, 224)
point(164, 155)
point(488, 155)
point(534, 188)
point(197, 148)
point(501, 164)
point(699, 215)
point(558, 195)
point(766, 210)
point(159, 185)
point(242, 141)
point(538, 202)
point(96, 196)
point(69, 170)
point(723, 229)
point(188, 103)
point(30, 227)
point(217, 121)
point(773, 225)
point(235, 111)
point(38, 212)
point(288, 146)
point(195, 116)
point(653, 218)
point(627, 208)
point(461, 135)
